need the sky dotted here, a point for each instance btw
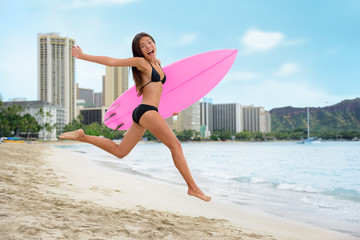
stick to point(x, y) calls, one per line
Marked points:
point(291, 53)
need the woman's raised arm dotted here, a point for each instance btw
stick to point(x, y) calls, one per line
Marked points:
point(76, 51)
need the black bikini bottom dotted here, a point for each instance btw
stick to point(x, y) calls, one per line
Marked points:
point(140, 110)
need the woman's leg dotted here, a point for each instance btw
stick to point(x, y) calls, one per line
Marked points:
point(152, 121)
point(132, 137)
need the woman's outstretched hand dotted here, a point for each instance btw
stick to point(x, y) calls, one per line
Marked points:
point(76, 51)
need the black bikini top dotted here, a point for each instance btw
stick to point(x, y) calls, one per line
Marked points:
point(155, 76)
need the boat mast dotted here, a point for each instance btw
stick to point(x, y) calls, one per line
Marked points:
point(308, 125)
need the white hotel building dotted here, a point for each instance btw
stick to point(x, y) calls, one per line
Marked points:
point(51, 114)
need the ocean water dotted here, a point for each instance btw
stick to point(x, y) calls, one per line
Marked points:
point(317, 184)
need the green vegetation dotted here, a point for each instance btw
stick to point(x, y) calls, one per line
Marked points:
point(187, 135)
point(344, 116)
point(296, 134)
point(224, 135)
point(12, 123)
point(94, 129)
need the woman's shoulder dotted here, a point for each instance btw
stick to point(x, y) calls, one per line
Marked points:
point(141, 60)
point(142, 63)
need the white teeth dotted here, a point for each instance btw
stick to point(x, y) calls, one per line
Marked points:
point(150, 51)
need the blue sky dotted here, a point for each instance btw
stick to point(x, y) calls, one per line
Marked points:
point(298, 53)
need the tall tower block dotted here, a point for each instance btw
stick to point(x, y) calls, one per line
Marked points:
point(56, 72)
point(115, 83)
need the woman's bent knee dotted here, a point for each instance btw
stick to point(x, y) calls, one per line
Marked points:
point(175, 146)
point(121, 154)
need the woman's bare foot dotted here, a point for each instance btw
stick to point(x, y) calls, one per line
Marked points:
point(199, 194)
point(74, 135)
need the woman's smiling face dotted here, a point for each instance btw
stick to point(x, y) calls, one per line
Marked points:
point(147, 47)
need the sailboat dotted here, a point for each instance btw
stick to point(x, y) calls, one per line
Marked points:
point(309, 139)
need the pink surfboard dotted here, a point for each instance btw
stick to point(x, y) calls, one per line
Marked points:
point(187, 81)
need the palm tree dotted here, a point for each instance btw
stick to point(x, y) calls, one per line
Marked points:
point(46, 125)
point(49, 127)
point(40, 113)
point(15, 117)
point(31, 125)
point(42, 125)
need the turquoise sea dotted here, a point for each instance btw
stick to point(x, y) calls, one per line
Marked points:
point(317, 184)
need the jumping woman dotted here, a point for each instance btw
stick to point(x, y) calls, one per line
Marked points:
point(149, 78)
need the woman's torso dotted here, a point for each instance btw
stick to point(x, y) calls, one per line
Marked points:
point(152, 84)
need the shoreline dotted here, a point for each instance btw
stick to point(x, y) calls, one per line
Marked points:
point(64, 181)
point(201, 141)
point(69, 142)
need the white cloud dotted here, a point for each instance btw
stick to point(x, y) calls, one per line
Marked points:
point(287, 69)
point(261, 41)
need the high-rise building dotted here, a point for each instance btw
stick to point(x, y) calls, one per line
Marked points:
point(188, 119)
point(226, 117)
point(206, 118)
point(251, 118)
point(98, 99)
point(56, 72)
point(85, 94)
point(256, 119)
point(91, 115)
point(265, 121)
point(114, 84)
point(103, 91)
point(237, 118)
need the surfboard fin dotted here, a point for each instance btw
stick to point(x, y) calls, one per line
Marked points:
point(109, 117)
point(112, 108)
point(119, 126)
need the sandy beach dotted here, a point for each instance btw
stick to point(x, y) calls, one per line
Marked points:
point(48, 193)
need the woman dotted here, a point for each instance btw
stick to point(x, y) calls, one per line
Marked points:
point(149, 78)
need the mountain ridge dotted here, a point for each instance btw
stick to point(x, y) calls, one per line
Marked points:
point(344, 115)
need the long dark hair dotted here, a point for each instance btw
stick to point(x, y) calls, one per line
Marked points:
point(137, 53)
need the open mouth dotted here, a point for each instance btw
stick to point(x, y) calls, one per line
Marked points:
point(150, 53)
